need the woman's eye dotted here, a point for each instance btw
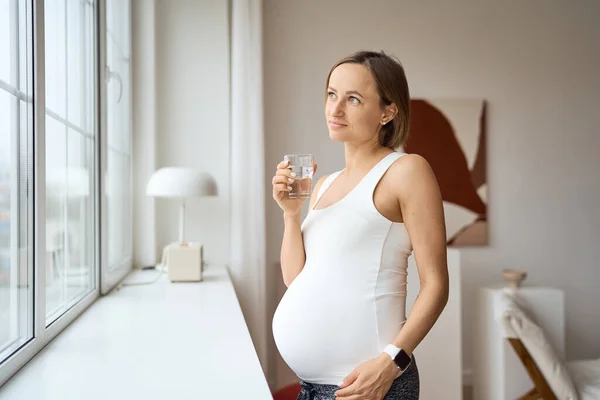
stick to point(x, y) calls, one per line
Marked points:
point(353, 100)
point(331, 95)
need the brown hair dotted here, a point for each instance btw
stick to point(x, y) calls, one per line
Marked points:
point(392, 88)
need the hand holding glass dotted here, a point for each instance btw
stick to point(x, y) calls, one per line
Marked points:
point(302, 166)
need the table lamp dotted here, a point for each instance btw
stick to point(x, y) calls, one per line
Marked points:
point(183, 259)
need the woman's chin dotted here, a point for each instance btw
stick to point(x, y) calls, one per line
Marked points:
point(337, 136)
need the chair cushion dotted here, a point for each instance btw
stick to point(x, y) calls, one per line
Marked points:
point(515, 323)
point(586, 375)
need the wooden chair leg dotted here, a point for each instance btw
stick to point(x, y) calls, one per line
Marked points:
point(541, 389)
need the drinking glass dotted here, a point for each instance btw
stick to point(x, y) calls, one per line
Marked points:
point(302, 165)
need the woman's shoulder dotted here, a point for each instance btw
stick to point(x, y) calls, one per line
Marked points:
point(409, 164)
point(410, 170)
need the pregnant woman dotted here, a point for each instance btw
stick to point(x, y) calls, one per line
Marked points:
point(341, 325)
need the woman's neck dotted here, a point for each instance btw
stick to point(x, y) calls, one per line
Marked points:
point(363, 158)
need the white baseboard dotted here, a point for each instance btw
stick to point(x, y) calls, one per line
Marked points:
point(467, 377)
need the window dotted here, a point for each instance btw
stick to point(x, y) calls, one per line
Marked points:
point(65, 156)
point(16, 165)
point(118, 150)
point(70, 155)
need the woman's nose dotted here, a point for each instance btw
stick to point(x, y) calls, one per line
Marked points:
point(336, 109)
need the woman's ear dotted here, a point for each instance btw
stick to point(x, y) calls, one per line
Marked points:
point(391, 111)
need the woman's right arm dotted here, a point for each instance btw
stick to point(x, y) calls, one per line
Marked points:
point(293, 256)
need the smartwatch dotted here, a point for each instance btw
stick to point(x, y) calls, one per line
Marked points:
point(400, 357)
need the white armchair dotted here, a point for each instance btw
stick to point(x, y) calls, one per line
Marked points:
point(552, 377)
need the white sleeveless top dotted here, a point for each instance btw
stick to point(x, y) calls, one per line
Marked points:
point(348, 302)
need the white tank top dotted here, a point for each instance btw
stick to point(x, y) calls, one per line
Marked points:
point(348, 302)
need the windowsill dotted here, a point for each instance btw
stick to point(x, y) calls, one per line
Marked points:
point(159, 341)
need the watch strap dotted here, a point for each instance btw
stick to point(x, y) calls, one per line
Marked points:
point(400, 357)
point(391, 350)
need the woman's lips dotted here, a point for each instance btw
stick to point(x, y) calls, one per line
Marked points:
point(336, 125)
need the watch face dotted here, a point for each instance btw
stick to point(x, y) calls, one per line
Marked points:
point(402, 360)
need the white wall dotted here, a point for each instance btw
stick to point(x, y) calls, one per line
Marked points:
point(535, 62)
point(192, 116)
point(181, 118)
point(183, 48)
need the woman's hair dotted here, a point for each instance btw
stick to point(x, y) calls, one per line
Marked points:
point(392, 88)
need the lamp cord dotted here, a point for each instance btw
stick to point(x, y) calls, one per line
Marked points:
point(160, 272)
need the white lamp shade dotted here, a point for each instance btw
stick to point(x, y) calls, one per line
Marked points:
point(181, 182)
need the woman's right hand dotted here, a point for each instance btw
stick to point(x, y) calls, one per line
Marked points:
point(282, 183)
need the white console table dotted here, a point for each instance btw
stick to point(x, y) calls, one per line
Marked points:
point(159, 341)
point(439, 355)
point(498, 374)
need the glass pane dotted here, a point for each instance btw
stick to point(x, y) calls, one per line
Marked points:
point(79, 67)
point(56, 59)
point(89, 82)
point(119, 81)
point(16, 126)
point(80, 223)
point(118, 191)
point(69, 218)
point(118, 131)
point(6, 40)
point(56, 176)
point(70, 147)
point(9, 268)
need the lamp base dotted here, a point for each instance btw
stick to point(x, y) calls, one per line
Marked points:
point(184, 262)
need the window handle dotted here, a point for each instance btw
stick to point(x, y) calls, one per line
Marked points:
point(113, 74)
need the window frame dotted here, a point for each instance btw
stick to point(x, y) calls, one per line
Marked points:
point(83, 133)
point(111, 277)
point(18, 163)
point(105, 277)
point(36, 248)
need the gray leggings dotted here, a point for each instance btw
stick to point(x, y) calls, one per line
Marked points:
point(404, 387)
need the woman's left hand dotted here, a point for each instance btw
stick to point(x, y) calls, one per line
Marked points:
point(371, 380)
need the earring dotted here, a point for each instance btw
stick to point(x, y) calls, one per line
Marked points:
point(383, 122)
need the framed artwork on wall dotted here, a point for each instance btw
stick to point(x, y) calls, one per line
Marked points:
point(451, 135)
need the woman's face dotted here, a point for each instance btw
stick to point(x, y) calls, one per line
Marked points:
point(353, 109)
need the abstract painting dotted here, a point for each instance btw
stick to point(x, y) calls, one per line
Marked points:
point(450, 135)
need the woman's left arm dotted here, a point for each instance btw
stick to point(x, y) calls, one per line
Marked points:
point(420, 201)
point(423, 214)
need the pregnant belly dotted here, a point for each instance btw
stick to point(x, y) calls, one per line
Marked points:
point(322, 331)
